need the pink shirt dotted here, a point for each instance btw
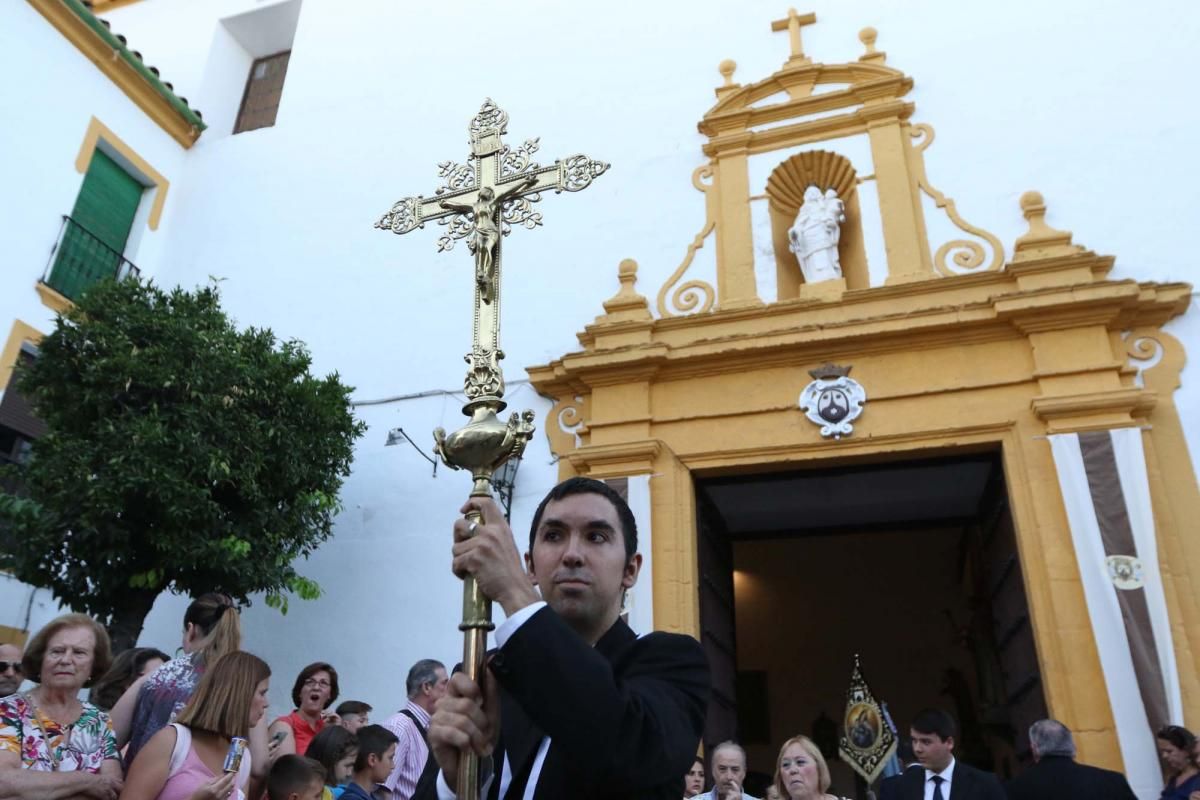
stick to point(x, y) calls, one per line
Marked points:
point(186, 777)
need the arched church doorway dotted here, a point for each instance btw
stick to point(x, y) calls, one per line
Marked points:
point(912, 565)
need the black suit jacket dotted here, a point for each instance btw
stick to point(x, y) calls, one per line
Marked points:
point(1056, 777)
point(968, 783)
point(624, 717)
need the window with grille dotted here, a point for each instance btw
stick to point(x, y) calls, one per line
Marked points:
point(93, 239)
point(260, 103)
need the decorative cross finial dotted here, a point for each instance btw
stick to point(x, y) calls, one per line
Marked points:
point(792, 24)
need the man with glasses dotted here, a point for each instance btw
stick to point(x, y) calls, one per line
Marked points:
point(11, 674)
point(415, 773)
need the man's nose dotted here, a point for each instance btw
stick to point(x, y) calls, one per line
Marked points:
point(573, 554)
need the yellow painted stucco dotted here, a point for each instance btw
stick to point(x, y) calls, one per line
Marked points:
point(962, 348)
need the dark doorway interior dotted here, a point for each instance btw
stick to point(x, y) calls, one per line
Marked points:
point(912, 565)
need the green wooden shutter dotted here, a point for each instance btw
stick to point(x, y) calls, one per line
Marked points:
point(94, 241)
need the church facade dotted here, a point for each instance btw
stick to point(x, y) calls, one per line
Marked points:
point(917, 367)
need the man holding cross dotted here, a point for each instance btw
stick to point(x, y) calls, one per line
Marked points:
point(573, 703)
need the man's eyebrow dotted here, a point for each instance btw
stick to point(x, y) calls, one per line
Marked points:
point(594, 524)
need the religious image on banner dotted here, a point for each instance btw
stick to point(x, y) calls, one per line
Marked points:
point(867, 742)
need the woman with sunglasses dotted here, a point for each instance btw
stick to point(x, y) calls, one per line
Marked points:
point(315, 689)
point(1176, 748)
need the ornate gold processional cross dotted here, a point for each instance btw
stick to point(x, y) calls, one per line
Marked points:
point(480, 201)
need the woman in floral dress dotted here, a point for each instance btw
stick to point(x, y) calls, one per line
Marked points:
point(53, 745)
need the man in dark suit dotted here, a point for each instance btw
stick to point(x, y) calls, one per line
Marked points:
point(940, 776)
point(1055, 774)
point(587, 709)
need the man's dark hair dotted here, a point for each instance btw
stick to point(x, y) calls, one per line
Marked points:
point(591, 486)
point(353, 707)
point(373, 740)
point(936, 722)
point(293, 774)
point(422, 672)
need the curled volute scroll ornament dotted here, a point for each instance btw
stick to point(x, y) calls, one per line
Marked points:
point(957, 256)
point(566, 422)
point(694, 295)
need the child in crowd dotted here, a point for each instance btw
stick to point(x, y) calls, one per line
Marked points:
point(337, 750)
point(376, 759)
point(295, 777)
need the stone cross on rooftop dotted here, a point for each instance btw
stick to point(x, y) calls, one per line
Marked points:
point(792, 23)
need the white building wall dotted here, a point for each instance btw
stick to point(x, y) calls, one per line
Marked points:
point(51, 96)
point(1071, 98)
point(51, 106)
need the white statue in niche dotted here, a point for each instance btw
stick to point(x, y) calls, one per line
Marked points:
point(814, 236)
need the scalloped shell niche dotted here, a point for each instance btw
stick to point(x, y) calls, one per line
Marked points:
point(785, 194)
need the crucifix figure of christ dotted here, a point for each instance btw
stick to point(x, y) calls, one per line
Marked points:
point(481, 201)
point(485, 233)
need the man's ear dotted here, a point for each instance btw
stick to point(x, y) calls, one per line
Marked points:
point(950, 743)
point(529, 568)
point(632, 568)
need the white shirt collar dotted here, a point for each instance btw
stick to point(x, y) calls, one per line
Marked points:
point(947, 774)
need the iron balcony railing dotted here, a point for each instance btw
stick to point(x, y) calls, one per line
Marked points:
point(80, 259)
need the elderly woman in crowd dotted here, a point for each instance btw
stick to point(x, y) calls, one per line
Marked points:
point(185, 760)
point(1176, 748)
point(801, 772)
point(53, 745)
point(315, 689)
point(211, 628)
point(134, 663)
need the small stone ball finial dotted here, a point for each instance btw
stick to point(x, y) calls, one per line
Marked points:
point(1031, 201)
point(627, 271)
point(868, 36)
point(1040, 241)
point(726, 68)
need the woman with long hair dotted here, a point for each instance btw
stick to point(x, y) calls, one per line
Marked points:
point(211, 628)
point(1177, 749)
point(186, 760)
point(336, 748)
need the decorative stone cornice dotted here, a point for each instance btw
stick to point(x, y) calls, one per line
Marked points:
point(616, 460)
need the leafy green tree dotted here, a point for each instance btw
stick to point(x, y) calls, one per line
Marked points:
point(182, 455)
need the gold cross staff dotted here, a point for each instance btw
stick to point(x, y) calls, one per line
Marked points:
point(480, 201)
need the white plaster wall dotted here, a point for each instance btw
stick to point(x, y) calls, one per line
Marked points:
point(52, 103)
point(1071, 98)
